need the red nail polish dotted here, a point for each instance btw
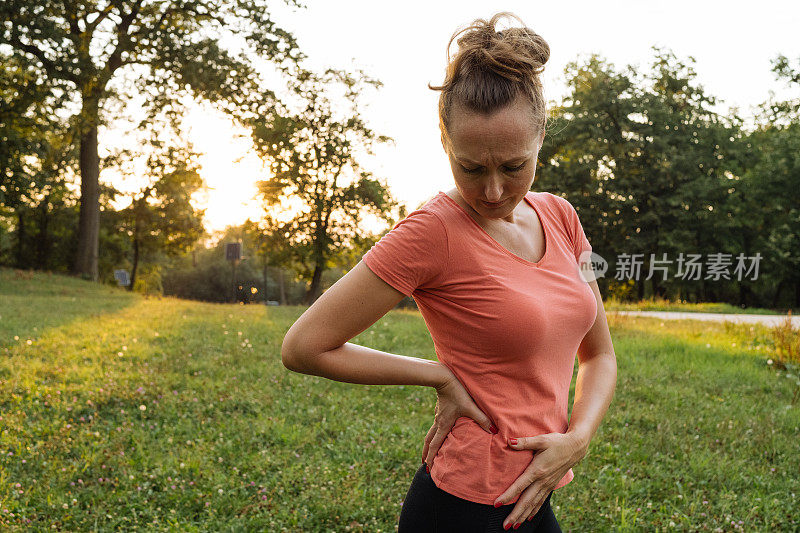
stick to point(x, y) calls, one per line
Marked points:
point(516, 525)
point(506, 526)
point(427, 468)
point(493, 429)
point(513, 441)
point(497, 504)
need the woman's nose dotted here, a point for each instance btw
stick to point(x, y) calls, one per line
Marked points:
point(493, 190)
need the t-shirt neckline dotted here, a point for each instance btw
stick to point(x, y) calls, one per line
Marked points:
point(528, 198)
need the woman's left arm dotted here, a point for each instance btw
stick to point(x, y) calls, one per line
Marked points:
point(596, 380)
point(558, 452)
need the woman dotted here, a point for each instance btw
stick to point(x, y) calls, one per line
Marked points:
point(494, 269)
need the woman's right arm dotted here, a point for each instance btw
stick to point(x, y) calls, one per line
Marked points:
point(316, 344)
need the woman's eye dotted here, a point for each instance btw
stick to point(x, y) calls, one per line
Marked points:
point(471, 170)
point(516, 169)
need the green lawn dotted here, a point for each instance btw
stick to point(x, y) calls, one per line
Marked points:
point(683, 307)
point(160, 414)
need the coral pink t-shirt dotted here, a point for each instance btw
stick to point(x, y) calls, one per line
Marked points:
point(508, 329)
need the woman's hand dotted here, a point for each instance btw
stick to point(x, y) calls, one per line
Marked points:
point(557, 453)
point(452, 401)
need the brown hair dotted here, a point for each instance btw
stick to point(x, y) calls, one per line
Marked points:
point(491, 68)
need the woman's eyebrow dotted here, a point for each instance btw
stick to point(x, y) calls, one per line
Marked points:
point(518, 159)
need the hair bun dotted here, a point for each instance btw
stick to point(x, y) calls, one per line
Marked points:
point(491, 68)
point(514, 53)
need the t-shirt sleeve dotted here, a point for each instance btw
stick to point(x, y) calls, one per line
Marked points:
point(414, 253)
point(580, 243)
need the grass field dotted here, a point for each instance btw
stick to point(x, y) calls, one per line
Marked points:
point(120, 412)
point(710, 307)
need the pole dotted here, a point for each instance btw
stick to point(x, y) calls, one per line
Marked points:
point(266, 301)
point(234, 279)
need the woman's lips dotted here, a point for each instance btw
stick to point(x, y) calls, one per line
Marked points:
point(491, 205)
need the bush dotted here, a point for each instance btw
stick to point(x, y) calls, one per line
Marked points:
point(787, 341)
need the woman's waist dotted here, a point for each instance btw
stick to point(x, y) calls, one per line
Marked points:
point(477, 465)
point(527, 425)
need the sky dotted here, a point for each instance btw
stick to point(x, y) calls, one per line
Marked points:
point(403, 44)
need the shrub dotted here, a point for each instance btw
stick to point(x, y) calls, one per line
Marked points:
point(787, 341)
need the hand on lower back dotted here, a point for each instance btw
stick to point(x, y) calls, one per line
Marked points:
point(452, 401)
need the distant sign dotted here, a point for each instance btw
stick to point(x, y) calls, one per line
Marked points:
point(233, 251)
point(122, 277)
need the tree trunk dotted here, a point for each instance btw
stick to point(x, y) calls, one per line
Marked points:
point(86, 255)
point(777, 294)
point(282, 286)
point(797, 293)
point(43, 242)
point(316, 284)
point(266, 293)
point(21, 236)
point(135, 263)
point(744, 293)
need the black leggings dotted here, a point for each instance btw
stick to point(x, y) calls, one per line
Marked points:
point(427, 508)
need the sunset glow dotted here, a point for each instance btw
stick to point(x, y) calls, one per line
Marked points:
point(229, 166)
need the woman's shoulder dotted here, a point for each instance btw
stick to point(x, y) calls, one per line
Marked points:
point(558, 204)
point(426, 222)
point(435, 207)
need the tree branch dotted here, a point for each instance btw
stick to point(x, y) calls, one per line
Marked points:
point(123, 42)
point(90, 26)
point(71, 14)
point(50, 66)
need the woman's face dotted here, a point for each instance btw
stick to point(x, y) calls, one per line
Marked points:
point(493, 157)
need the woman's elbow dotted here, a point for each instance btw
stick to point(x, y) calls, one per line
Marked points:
point(291, 355)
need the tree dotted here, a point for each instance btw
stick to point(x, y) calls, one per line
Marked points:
point(772, 184)
point(589, 148)
point(684, 195)
point(785, 71)
point(161, 217)
point(35, 155)
point(272, 248)
point(643, 159)
point(175, 49)
point(312, 154)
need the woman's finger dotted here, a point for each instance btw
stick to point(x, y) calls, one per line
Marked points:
point(427, 442)
point(538, 442)
point(482, 420)
point(530, 475)
point(527, 505)
point(533, 509)
point(435, 444)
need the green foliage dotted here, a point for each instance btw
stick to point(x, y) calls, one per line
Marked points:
point(161, 218)
point(787, 343)
point(148, 281)
point(311, 149)
point(206, 275)
point(652, 169)
point(77, 49)
point(785, 71)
